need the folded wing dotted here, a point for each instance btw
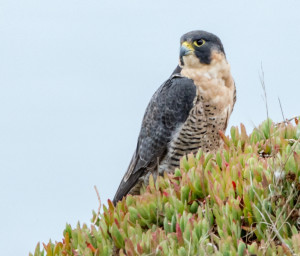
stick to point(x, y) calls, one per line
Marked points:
point(169, 108)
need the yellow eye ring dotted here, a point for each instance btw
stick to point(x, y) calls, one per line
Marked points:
point(199, 42)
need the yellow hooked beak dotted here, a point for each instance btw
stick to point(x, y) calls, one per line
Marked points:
point(186, 49)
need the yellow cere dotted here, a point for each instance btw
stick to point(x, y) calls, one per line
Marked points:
point(188, 45)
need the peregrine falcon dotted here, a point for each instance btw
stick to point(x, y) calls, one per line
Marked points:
point(185, 113)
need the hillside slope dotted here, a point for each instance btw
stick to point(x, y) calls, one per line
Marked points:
point(242, 200)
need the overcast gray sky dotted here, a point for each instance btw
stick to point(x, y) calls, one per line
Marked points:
point(75, 79)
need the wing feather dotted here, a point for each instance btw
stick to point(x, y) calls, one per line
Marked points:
point(168, 108)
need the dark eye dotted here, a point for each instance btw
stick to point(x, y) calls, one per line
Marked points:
point(199, 42)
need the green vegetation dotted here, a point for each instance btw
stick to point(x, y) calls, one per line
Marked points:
point(242, 200)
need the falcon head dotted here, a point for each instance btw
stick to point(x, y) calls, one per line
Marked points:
point(197, 48)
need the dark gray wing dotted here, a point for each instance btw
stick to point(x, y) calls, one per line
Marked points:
point(168, 108)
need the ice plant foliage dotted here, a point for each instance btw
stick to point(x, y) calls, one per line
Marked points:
point(241, 200)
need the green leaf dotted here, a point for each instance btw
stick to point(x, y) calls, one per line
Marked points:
point(116, 235)
point(241, 248)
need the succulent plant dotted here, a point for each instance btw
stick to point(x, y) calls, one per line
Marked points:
point(243, 199)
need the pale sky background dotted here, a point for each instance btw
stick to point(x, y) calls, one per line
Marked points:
point(76, 77)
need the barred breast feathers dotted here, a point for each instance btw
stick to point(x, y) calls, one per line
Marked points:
point(212, 108)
